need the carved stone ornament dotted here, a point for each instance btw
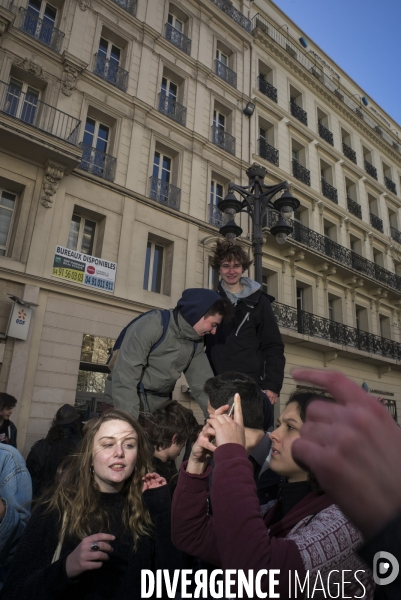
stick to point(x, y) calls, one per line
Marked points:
point(30, 66)
point(53, 174)
point(84, 4)
point(68, 83)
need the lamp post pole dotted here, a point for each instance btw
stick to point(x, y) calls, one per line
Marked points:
point(256, 200)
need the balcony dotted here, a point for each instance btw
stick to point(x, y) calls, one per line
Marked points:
point(215, 216)
point(165, 193)
point(354, 208)
point(348, 259)
point(178, 39)
point(234, 14)
point(299, 113)
point(390, 185)
point(267, 89)
point(376, 222)
point(111, 72)
point(300, 172)
point(173, 109)
point(35, 130)
point(325, 134)
point(329, 191)
point(370, 169)
point(395, 234)
point(128, 5)
point(268, 152)
point(43, 32)
point(223, 139)
point(225, 73)
point(349, 153)
point(7, 14)
point(338, 333)
point(98, 163)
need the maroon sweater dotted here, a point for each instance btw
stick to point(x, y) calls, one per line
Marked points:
point(237, 537)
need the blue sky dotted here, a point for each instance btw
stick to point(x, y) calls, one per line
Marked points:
point(362, 37)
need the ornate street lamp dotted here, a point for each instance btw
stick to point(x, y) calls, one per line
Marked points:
point(256, 201)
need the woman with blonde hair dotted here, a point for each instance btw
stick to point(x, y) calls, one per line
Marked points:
point(107, 519)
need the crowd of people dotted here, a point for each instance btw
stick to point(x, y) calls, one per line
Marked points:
point(318, 494)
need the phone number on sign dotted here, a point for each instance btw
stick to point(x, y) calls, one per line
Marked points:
point(102, 284)
point(68, 274)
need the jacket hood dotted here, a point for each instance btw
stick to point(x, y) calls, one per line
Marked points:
point(195, 302)
point(250, 287)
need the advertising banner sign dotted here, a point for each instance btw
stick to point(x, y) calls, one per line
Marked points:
point(84, 269)
point(18, 323)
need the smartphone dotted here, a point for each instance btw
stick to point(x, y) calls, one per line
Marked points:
point(231, 411)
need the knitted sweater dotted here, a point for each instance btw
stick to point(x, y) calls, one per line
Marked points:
point(313, 536)
point(33, 577)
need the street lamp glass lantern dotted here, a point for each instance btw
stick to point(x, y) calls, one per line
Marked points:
point(230, 205)
point(230, 230)
point(286, 204)
point(281, 231)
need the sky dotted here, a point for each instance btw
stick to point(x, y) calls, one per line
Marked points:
point(362, 37)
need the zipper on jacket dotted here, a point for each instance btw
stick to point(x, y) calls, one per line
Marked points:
point(246, 318)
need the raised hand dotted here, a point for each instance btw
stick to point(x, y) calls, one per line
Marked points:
point(229, 430)
point(152, 481)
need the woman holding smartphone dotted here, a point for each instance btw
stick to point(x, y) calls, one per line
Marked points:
point(301, 532)
point(107, 519)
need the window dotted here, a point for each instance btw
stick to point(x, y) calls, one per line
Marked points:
point(361, 318)
point(221, 57)
point(331, 309)
point(356, 245)
point(175, 22)
point(162, 167)
point(152, 280)
point(385, 327)
point(213, 278)
point(169, 88)
point(7, 206)
point(81, 235)
point(21, 101)
point(95, 146)
point(266, 81)
point(108, 61)
point(216, 192)
point(295, 154)
point(40, 21)
point(219, 120)
point(265, 282)
point(300, 299)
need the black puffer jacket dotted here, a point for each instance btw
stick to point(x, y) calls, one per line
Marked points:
point(250, 343)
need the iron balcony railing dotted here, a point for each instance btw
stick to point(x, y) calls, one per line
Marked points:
point(329, 191)
point(390, 185)
point(127, 5)
point(268, 152)
point(173, 109)
point(178, 39)
point(27, 108)
point(325, 134)
point(395, 234)
point(300, 172)
point(376, 222)
point(98, 163)
point(299, 113)
point(215, 216)
point(43, 32)
point(348, 258)
point(349, 153)
point(223, 139)
point(111, 72)
point(370, 169)
point(354, 208)
point(267, 89)
point(165, 193)
point(315, 326)
point(234, 14)
point(331, 83)
point(225, 73)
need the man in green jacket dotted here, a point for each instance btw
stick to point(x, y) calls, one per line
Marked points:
point(144, 377)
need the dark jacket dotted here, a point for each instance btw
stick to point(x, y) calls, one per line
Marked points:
point(44, 459)
point(11, 432)
point(33, 577)
point(250, 343)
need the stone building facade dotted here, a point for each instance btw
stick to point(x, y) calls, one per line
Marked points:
point(121, 126)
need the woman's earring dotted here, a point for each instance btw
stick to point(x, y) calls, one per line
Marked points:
point(92, 471)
